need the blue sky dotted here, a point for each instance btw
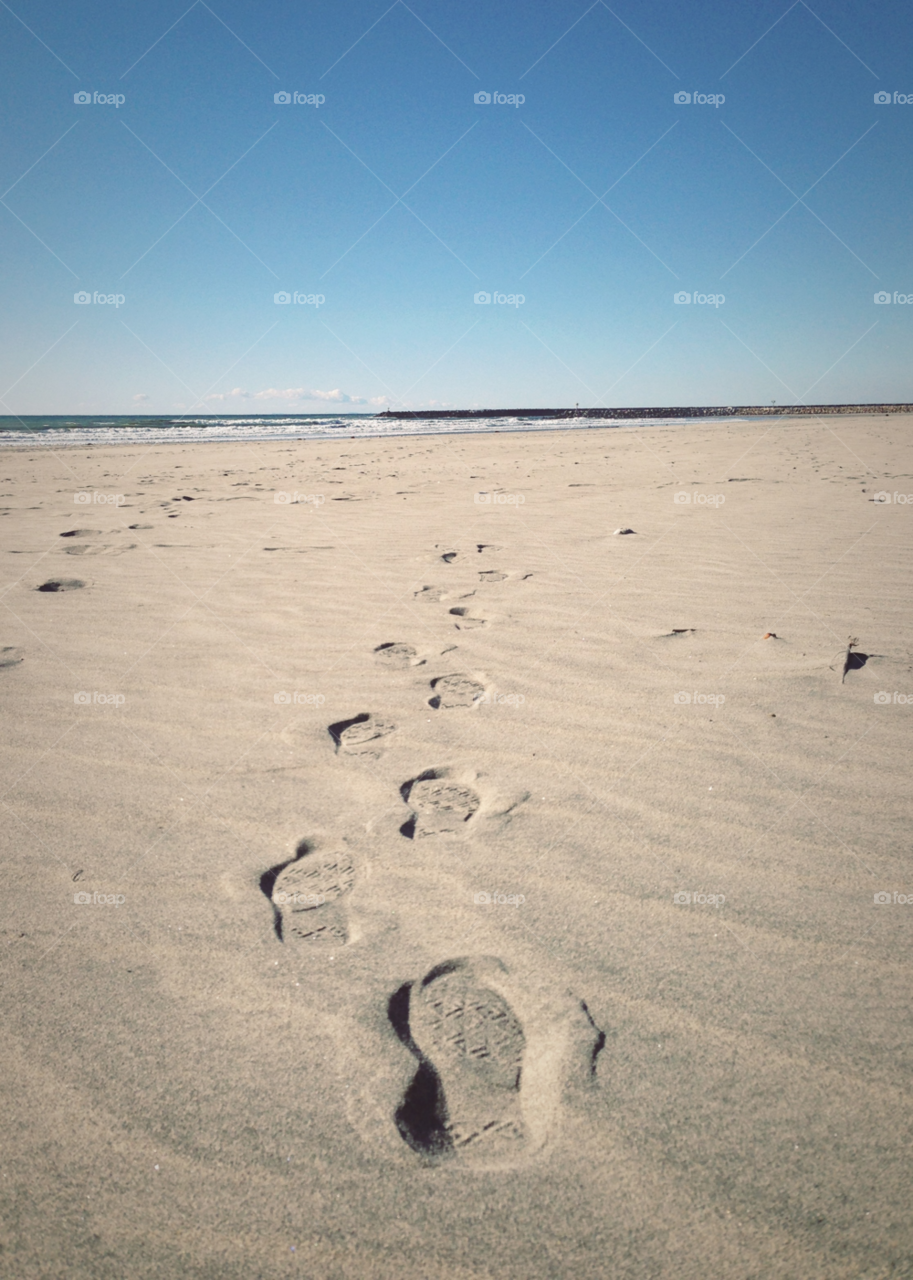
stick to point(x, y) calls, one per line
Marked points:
point(399, 199)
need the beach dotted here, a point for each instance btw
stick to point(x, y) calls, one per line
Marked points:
point(460, 856)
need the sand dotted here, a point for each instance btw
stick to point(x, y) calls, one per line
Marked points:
point(473, 891)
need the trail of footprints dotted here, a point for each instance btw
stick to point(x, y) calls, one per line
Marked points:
point(466, 1098)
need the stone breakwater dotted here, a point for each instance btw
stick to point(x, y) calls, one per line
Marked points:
point(688, 411)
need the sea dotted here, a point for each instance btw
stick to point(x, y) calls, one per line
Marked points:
point(72, 430)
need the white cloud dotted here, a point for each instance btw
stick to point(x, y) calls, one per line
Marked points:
point(137, 399)
point(337, 397)
point(291, 395)
point(237, 394)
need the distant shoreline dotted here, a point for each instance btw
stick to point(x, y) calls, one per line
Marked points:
point(689, 411)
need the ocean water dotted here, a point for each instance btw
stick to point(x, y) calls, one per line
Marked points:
point(65, 430)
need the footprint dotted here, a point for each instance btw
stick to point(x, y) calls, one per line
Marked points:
point(10, 656)
point(86, 549)
point(82, 533)
point(496, 1062)
point(431, 595)
point(449, 556)
point(484, 548)
point(363, 735)
point(465, 620)
point(491, 575)
point(455, 690)
point(307, 895)
point(61, 584)
point(465, 1098)
point(397, 655)
point(440, 805)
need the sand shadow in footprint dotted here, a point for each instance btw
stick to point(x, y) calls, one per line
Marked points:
point(362, 735)
point(305, 893)
point(455, 690)
point(494, 1062)
point(397, 655)
point(61, 584)
point(466, 621)
point(440, 805)
point(465, 1097)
